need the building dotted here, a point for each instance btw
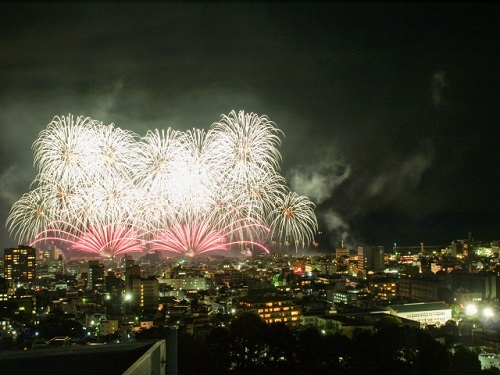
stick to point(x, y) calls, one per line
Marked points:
point(146, 293)
point(273, 308)
point(433, 313)
point(6, 289)
point(187, 283)
point(132, 272)
point(197, 321)
point(342, 252)
point(424, 289)
point(229, 277)
point(54, 253)
point(346, 297)
point(370, 258)
point(20, 264)
point(481, 282)
point(349, 325)
point(95, 277)
point(383, 288)
point(108, 327)
point(130, 358)
point(457, 248)
point(417, 250)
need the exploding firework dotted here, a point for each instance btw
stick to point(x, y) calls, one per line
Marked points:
point(28, 216)
point(105, 240)
point(293, 219)
point(105, 190)
point(65, 149)
point(193, 235)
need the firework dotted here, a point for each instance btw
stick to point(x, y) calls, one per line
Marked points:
point(105, 190)
point(28, 216)
point(197, 235)
point(105, 240)
point(64, 150)
point(293, 219)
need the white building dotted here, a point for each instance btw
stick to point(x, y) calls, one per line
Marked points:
point(437, 313)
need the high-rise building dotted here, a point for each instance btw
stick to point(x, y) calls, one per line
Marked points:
point(20, 264)
point(132, 272)
point(95, 276)
point(370, 258)
point(146, 293)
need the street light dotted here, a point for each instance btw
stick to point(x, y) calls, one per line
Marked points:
point(488, 312)
point(471, 309)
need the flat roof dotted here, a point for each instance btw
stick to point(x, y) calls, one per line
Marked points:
point(419, 307)
point(109, 359)
point(265, 298)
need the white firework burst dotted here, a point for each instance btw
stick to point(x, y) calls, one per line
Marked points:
point(98, 183)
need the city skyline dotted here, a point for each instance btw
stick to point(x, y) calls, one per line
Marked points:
point(388, 110)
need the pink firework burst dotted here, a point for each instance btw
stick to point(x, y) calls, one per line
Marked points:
point(105, 240)
point(196, 238)
point(108, 240)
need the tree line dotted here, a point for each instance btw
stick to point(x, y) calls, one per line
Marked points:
point(250, 346)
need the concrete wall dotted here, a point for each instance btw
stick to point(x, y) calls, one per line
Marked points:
point(152, 362)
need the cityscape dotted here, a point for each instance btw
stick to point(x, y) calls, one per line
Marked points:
point(50, 301)
point(226, 188)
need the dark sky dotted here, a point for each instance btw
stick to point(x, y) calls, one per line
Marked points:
point(390, 111)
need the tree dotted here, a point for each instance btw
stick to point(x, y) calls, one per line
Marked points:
point(398, 350)
point(282, 346)
point(194, 355)
point(248, 341)
point(386, 321)
point(455, 311)
point(465, 362)
point(219, 346)
point(310, 351)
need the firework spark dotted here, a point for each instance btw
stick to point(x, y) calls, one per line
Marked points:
point(185, 192)
point(105, 240)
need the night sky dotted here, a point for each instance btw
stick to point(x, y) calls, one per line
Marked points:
point(390, 111)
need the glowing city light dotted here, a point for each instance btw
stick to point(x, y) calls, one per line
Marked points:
point(488, 312)
point(471, 309)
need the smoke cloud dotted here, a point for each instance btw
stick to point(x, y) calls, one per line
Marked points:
point(401, 177)
point(318, 181)
point(438, 88)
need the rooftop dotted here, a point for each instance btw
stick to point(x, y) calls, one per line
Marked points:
point(418, 307)
point(109, 359)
